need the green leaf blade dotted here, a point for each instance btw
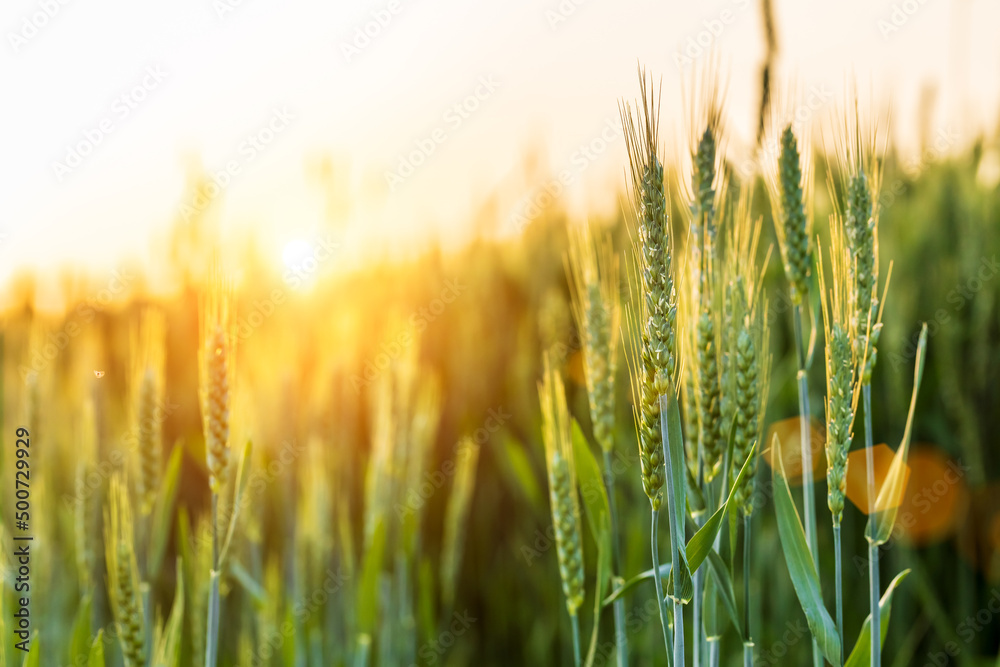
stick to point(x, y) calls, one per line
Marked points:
point(802, 570)
point(860, 655)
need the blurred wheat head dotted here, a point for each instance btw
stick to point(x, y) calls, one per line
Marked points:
point(748, 362)
point(594, 277)
point(217, 369)
point(563, 496)
point(147, 373)
point(123, 573)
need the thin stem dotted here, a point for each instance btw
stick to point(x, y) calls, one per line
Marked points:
point(839, 587)
point(575, 622)
point(678, 624)
point(147, 615)
point(713, 652)
point(700, 640)
point(660, 599)
point(621, 639)
point(212, 635)
point(145, 529)
point(873, 582)
point(746, 577)
point(363, 652)
point(805, 442)
point(676, 533)
point(748, 644)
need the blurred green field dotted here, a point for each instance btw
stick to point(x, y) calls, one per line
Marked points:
point(396, 490)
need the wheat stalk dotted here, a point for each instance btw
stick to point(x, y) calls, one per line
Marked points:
point(751, 359)
point(653, 358)
point(123, 574)
point(842, 387)
point(147, 374)
point(862, 171)
point(594, 278)
point(789, 184)
point(563, 496)
point(217, 368)
point(456, 518)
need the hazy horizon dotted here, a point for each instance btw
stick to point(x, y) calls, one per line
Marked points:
point(265, 93)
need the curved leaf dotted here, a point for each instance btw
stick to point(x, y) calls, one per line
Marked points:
point(242, 477)
point(34, 657)
point(163, 510)
point(603, 574)
point(702, 541)
point(805, 580)
point(79, 643)
point(635, 581)
point(860, 655)
point(879, 530)
point(596, 507)
point(588, 475)
point(96, 658)
point(368, 592)
point(724, 589)
point(167, 645)
point(673, 449)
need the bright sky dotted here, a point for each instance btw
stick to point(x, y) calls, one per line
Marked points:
point(266, 89)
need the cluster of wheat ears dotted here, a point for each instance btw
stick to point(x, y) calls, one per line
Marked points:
point(137, 515)
point(695, 333)
point(135, 541)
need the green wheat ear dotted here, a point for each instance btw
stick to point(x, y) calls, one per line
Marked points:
point(593, 272)
point(123, 574)
point(216, 377)
point(843, 359)
point(147, 373)
point(791, 222)
point(86, 500)
point(562, 484)
point(653, 351)
point(750, 359)
point(703, 184)
point(862, 240)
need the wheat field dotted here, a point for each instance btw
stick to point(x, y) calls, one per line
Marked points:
point(744, 418)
